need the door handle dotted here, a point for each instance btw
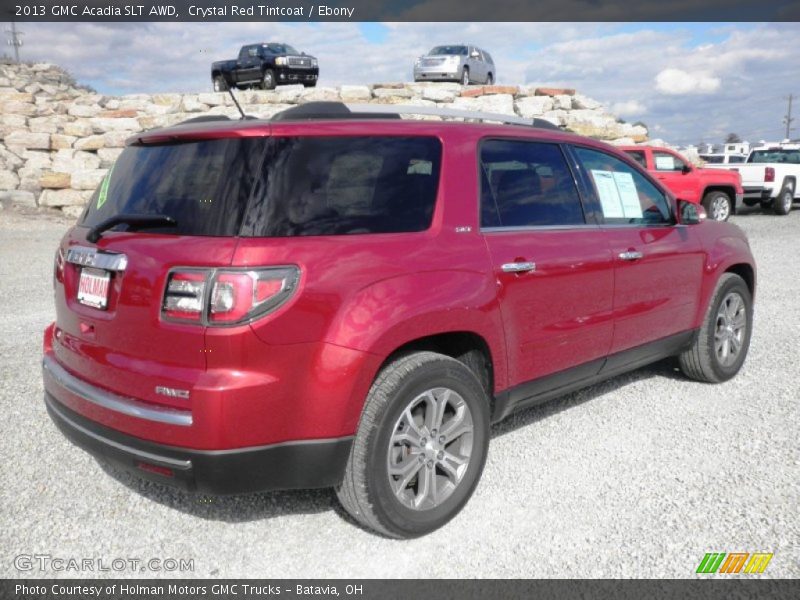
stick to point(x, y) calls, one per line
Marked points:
point(631, 255)
point(518, 267)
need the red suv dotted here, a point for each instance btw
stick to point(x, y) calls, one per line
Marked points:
point(350, 302)
point(719, 191)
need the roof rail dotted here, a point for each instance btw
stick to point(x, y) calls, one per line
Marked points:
point(437, 111)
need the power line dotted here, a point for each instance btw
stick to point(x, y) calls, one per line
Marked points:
point(15, 39)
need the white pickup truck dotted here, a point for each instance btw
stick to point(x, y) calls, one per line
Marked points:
point(770, 176)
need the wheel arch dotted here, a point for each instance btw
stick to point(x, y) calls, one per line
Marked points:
point(728, 254)
point(467, 347)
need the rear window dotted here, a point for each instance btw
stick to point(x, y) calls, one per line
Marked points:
point(276, 187)
point(203, 185)
point(776, 155)
point(345, 185)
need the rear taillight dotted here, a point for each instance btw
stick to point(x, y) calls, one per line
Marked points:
point(769, 174)
point(58, 267)
point(236, 296)
point(185, 295)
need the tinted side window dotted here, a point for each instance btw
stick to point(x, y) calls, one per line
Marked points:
point(664, 161)
point(345, 185)
point(638, 156)
point(527, 184)
point(625, 195)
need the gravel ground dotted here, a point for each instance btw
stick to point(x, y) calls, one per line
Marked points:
point(635, 477)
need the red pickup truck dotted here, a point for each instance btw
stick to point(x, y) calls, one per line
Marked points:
point(720, 192)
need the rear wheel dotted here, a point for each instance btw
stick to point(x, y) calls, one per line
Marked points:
point(220, 85)
point(420, 446)
point(782, 205)
point(724, 338)
point(718, 205)
point(268, 79)
point(465, 76)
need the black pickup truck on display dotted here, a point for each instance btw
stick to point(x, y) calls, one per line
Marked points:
point(265, 66)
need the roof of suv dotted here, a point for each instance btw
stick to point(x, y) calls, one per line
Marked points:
point(347, 123)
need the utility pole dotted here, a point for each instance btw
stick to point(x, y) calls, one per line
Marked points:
point(787, 120)
point(16, 39)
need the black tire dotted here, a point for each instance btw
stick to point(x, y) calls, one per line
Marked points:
point(220, 85)
point(782, 204)
point(366, 492)
point(268, 80)
point(701, 361)
point(465, 76)
point(718, 205)
point(490, 79)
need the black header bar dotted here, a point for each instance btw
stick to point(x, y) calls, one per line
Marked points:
point(399, 10)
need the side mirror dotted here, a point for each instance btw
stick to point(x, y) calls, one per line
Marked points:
point(686, 169)
point(690, 213)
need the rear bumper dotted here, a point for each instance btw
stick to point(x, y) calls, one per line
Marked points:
point(289, 465)
point(757, 192)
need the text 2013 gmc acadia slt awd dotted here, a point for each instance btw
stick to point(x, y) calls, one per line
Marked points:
point(350, 302)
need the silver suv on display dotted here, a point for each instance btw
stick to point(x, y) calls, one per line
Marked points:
point(463, 63)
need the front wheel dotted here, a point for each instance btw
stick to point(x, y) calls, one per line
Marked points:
point(782, 205)
point(718, 205)
point(490, 79)
point(268, 80)
point(724, 338)
point(465, 76)
point(220, 85)
point(420, 446)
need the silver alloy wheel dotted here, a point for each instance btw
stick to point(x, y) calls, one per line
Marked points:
point(430, 448)
point(730, 329)
point(268, 80)
point(720, 207)
point(465, 77)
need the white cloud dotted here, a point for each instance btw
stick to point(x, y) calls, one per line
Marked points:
point(630, 108)
point(677, 82)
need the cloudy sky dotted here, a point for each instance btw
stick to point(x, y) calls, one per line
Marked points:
point(687, 81)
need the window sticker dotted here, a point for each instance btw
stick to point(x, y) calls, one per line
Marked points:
point(618, 196)
point(609, 195)
point(664, 163)
point(629, 197)
point(103, 195)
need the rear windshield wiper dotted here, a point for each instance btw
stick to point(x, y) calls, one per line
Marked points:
point(130, 220)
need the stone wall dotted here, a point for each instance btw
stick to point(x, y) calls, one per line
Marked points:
point(58, 139)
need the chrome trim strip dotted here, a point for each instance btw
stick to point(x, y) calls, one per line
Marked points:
point(111, 401)
point(183, 465)
point(439, 112)
point(91, 257)
point(540, 228)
